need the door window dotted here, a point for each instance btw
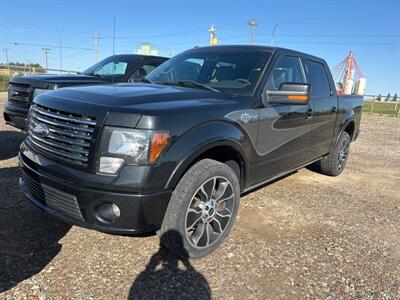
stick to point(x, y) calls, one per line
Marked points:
point(318, 79)
point(112, 69)
point(286, 70)
point(143, 71)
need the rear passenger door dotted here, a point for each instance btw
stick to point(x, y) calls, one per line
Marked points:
point(323, 102)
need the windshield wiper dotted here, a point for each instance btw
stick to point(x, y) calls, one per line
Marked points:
point(95, 75)
point(197, 84)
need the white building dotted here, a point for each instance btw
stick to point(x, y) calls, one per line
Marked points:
point(146, 49)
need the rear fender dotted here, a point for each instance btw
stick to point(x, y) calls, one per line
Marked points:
point(348, 117)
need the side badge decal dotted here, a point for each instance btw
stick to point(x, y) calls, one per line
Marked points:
point(246, 117)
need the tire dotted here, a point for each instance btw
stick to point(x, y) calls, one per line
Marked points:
point(334, 163)
point(208, 193)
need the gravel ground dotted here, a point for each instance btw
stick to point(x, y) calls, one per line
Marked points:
point(305, 236)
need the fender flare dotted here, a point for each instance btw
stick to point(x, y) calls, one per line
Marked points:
point(348, 118)
point(207, 136)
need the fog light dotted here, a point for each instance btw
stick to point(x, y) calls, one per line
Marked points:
point(110, 165)
point(108, 212)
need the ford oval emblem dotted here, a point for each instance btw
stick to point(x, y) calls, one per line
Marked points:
point(41, 130)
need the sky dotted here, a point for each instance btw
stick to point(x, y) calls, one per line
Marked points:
point(325, 28)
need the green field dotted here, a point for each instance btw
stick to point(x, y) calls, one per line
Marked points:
point(382, 108)
point(4, 83)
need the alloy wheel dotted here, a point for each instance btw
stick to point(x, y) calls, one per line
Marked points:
point(343, 154)
point(209, 212)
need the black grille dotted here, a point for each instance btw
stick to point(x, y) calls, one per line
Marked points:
point(19, 94)
point(33, 186)
point(62, 202)
point(60, 135)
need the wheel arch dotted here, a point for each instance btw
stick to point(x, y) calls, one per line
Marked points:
point(350, 128)
point(222, 150)
point(348, 124)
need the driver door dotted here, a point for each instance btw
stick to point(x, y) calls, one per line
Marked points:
point(284, 138)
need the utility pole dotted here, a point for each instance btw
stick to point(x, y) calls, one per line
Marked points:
point(213, 36)
point(96, 45)
point(7, 62)
point(46, 52)
point(212, 32)
point(253, 24)
point(60, 53)
point(273, 34)
point(114, 38)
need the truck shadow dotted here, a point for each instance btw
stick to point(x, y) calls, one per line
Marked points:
point(170, 277)
point(9, 143)
point(29, 239)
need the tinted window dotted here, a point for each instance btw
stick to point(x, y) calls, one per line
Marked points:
point(117, 66)
point(318, 79)
point(112, 68)
point(286, 69)
point(144, 70)
point(226, 69)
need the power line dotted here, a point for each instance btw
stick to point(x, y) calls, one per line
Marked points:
point(44, 45)
point(335, 35)
point(339, 43)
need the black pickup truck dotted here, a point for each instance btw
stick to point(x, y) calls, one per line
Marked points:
point(117, 68)
point(174, 154)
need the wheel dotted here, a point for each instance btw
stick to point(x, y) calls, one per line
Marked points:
point(202, 209)
point(334, 163)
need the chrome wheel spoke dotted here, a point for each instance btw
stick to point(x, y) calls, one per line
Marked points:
point(204, 238)
point(221, 201)
point(223, 219)
point(222, 188)
point(217, 227)
point(208, 188)
point(192, 218)
point(224, 213)
point(198, 233)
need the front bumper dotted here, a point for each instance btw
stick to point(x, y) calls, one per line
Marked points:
point(15, 115)
point(78, 205)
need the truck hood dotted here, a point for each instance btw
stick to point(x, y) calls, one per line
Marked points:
point(135, 98)
point(53, 81)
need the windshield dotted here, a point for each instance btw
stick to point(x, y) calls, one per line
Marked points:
point(235, 70)
point(116, 67)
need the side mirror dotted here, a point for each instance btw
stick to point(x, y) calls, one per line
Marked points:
point(288, 93)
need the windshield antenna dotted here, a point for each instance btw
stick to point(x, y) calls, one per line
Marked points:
point(112, 77)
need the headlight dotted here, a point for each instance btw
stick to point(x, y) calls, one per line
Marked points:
point(39, 91)
point(120, 146)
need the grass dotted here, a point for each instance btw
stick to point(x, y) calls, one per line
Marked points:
point(4, 83)
point(382, 108)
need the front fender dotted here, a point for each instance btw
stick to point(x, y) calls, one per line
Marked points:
point(204, 137)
